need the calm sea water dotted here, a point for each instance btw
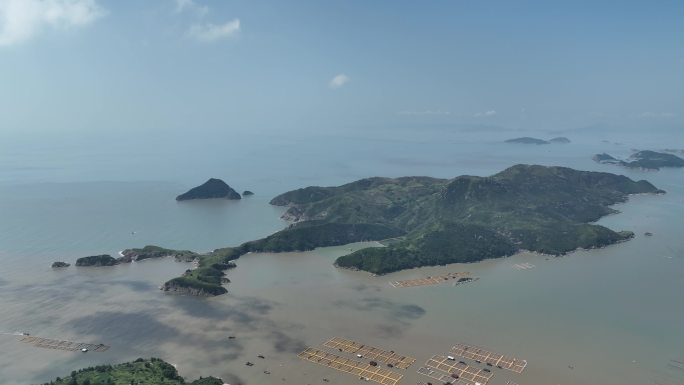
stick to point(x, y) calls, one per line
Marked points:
point(610, 316)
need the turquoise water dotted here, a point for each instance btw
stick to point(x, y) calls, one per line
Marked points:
point(614, 315)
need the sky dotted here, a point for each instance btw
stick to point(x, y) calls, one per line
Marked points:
point(91, 66)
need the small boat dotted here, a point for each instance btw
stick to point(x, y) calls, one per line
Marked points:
point(260, 356)
point(249, 363)
point(451, 358)
point(84, 350)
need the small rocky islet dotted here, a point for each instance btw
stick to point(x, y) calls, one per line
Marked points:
point(60, 264)
point(212, 189)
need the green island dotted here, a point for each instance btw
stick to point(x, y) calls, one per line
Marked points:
point(425, 221)
point(647, 160)
point(213, 188)
point(466, 219)
point(139, 372)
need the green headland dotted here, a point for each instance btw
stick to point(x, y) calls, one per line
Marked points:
point(139, 372)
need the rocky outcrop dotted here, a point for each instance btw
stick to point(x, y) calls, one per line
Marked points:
point(59, 264)
point(247, 193)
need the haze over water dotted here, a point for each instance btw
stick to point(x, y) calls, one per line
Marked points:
point(609, 316)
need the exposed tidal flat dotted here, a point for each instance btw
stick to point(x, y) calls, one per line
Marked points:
point(613, 314)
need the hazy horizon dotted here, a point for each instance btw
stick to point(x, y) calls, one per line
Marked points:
point(175, 66)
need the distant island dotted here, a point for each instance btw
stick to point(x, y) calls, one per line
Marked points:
point(429, 221)
point(537, 141)
point(647, 160)
point(140, 371)
point(560, 139)
point(247, 193)
point(59, 264)
point(97, 260)
point(527, 140)
point(213, 188)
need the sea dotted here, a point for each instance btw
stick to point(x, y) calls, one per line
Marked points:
point(608, 316)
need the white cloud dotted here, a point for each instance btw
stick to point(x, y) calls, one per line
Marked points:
point(485, 114)
point(339, 80)
point(20, 20)
point(657, 115)
point(424, 112)
point(211, 32)
point(191, 5)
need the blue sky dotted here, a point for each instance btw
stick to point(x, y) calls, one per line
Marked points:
point(181, 65)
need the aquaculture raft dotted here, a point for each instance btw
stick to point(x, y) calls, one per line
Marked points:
point(370, 352)
point(463, 371)
point(432, 280)
point(495, 359)
point(62, 345)
point(441, 376)
point(361, 369)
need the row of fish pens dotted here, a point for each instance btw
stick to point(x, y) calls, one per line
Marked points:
point(432, 280)
point(369, 371)
point(47, 343)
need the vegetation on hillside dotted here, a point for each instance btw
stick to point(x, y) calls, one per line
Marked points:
point(153, 371)
point(466, 219)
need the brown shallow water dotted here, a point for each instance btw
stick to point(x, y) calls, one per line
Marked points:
point(612, 325)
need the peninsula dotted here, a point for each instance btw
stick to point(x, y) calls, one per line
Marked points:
point(140, 371)
point(211, 189)
point(647, 160)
